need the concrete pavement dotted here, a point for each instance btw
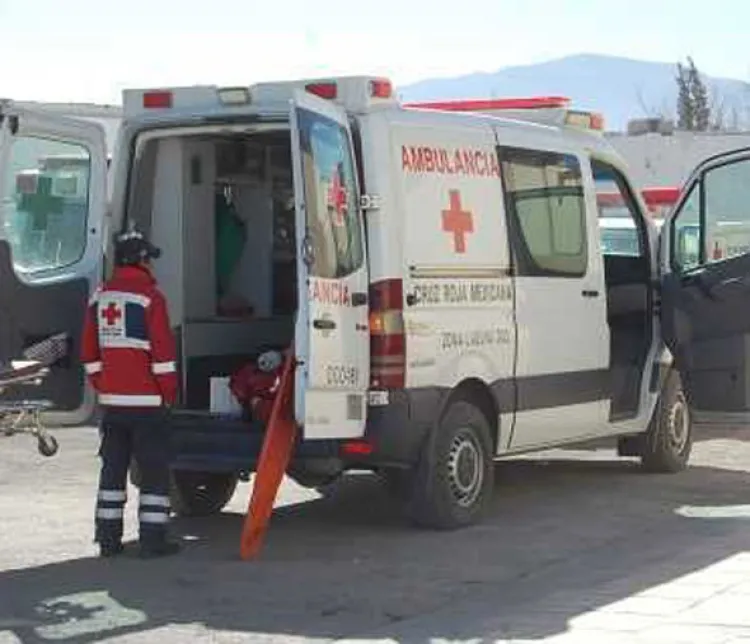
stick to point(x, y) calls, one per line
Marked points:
point(578, 547)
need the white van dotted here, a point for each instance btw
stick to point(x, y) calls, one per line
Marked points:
point(437, 268)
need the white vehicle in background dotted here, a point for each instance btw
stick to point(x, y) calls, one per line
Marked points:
point(438, 269)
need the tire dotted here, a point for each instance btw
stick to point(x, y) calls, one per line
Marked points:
point(669, 439)
point(454, 480)
point(201, 494)
point(47, 445)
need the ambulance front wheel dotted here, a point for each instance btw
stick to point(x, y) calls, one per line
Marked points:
point(454, 480)
point(667, 443)
point(200, 494)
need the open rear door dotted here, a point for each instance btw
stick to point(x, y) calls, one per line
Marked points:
point(332, 335)
point(706, 288)
point(52, 205)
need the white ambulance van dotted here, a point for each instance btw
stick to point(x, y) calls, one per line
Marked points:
point(437, 268)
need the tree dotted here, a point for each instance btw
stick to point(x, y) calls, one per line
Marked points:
point(685, 108)
point(693, 103)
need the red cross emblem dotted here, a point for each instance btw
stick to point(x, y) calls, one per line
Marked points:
point(111, 314)
point(458, 222)
point(338, 200)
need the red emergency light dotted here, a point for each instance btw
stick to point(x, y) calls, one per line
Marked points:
point(323, 90)
point(381, 88)
point(378, 88)
point(157, 100)
point(484, 105)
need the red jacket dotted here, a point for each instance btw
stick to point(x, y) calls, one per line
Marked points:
point(128, 349)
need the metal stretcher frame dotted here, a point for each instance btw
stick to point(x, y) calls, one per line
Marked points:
point(25, 416)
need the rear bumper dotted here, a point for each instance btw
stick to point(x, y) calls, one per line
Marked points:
point(395, 432)
point(217, 444)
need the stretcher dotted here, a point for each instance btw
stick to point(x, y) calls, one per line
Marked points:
point(24, 416)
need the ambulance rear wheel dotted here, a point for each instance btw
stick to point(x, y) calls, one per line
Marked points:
point(668, 442)
point(200, 494)
point(454, 480)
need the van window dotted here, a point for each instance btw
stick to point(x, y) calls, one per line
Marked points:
point(726, 191)
point(546, 212)
point(718, 211)
point(333, 217)
point(687, 232)
point(619, 216)
point(46, 203)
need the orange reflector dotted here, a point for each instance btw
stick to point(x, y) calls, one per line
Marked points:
point(157, 100)
point(357, 448)
point(324, 90)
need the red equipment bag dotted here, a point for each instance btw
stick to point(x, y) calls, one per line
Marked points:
point(255, 385)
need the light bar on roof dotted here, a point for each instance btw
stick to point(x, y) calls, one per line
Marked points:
point(494, 104)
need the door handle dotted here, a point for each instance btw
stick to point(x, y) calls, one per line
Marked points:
point(590, 293)
point(324, 325)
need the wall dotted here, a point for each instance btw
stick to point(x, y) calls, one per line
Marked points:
point(658, 160)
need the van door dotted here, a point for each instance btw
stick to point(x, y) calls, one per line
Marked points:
point(562, 359)
point(332, 334)
point(52, 205)
point(706, 294)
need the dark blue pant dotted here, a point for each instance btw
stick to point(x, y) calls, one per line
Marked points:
point(143, 435)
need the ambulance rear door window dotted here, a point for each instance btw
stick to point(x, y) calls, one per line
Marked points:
point(330, 186)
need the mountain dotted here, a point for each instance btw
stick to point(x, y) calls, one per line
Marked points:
point(620, 88)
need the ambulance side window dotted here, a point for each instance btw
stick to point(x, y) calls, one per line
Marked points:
point(333, 217)
point(713, 224)
point(46, 209)
point(546, 212)
point(726, 195)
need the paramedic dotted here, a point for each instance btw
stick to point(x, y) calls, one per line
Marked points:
point(128, 351)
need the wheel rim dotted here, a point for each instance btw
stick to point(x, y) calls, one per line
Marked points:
point(465, 468)
point(679, 423)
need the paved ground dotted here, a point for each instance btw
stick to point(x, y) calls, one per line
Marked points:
point(582, 547)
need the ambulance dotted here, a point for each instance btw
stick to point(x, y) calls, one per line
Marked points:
point(437, 268)
point(618, 231)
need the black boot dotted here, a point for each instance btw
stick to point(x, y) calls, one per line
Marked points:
point(108, 549)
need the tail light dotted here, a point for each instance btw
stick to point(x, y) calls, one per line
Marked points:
point(387, 335)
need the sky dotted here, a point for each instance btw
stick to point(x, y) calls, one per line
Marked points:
point(89, 50)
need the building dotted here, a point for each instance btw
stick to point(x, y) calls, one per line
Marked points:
point(659, 155)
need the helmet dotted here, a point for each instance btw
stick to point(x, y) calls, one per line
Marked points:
point(132, 247)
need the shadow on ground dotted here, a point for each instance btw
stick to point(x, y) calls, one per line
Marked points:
point(563, 538)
